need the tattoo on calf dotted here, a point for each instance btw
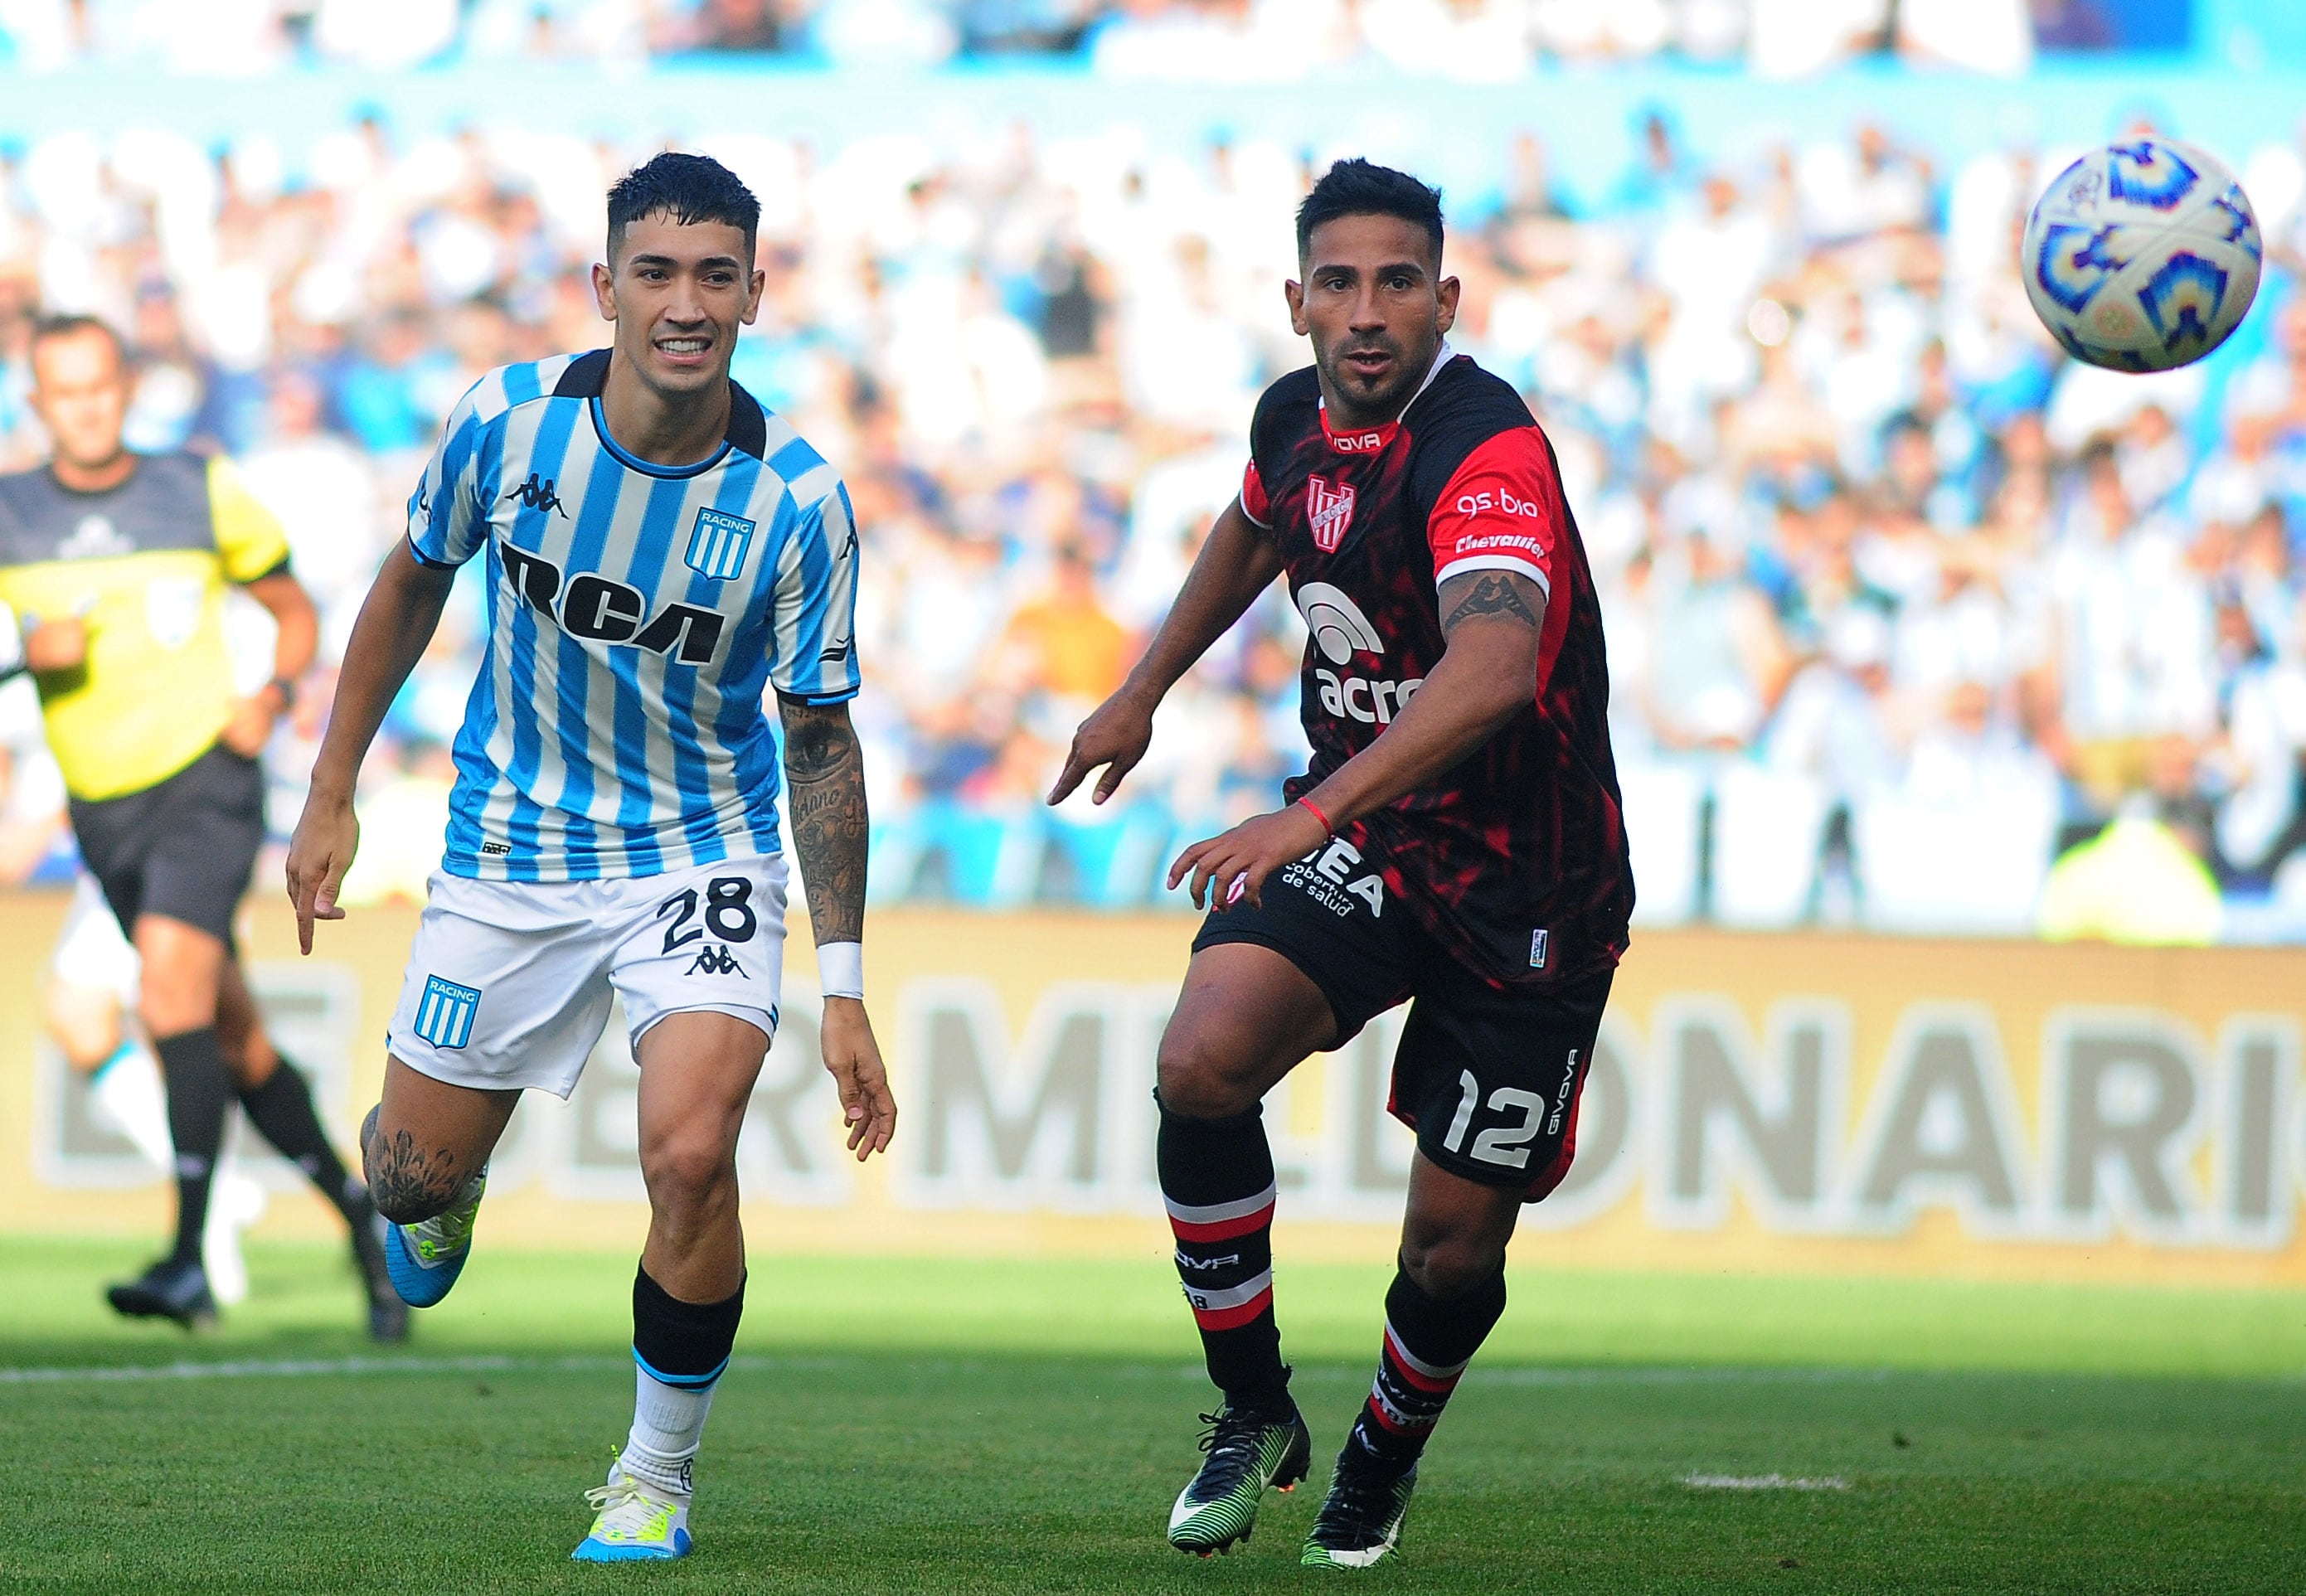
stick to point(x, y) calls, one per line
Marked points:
point(1493, 594)
point(408, 1184)
point(826, 769)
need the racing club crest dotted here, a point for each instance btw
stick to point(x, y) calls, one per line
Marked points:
point(717, 544)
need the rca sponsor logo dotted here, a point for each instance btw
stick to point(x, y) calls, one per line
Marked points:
point(592, 606)
point(1358, 698)
point(1498, 501)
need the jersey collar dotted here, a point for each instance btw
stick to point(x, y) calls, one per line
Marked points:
point(747, 432)
point(1371, 440)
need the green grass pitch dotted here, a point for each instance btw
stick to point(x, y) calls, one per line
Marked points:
point(944, 1425)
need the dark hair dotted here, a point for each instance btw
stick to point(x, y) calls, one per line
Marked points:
point(1357, 187)
point(687, 188)
point(65, 326)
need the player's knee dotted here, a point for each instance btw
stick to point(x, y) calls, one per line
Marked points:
point(1449, 1264)
point(171, 1007)
point(687, 1170)
point(1200, 1081)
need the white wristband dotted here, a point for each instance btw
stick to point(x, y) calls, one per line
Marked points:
point(841, 969)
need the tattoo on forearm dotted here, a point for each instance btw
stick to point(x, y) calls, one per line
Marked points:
point(1493, 594)
point(826, 772)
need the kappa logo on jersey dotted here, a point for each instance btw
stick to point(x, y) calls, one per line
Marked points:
point(718, 546)
point(715, 962)
point(539, 496)
point(610, 611)
point(444, 1017)
point(1330, 511)
point(1340, 630)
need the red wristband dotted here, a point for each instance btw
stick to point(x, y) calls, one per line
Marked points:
point(1324, 819)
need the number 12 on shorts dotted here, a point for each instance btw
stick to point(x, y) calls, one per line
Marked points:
point(1504, 1145)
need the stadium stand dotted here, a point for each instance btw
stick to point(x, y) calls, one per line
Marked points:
point(1887, 580)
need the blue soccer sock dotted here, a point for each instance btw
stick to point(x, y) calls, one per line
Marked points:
point(678, 1350)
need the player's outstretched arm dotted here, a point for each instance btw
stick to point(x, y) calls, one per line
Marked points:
point(397, 620)
point(824, 774)
point(1487, 675)
point(1237, 563)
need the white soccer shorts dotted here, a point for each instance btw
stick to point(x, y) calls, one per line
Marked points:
point(510, 981)
point(91, 951)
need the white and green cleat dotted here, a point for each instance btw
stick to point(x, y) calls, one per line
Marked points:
point(632, 1522)
point(1359, 1521)
point(1248, 1451)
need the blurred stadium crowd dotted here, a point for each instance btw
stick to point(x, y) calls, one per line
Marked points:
point(1902, 605)
point(1227, 40)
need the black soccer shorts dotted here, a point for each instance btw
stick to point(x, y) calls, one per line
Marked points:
point(1488, 1077)
point(184, 847)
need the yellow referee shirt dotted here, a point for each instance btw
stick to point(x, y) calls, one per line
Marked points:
point(144, 566)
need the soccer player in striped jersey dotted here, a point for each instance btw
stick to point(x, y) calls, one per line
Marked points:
point(661, 553)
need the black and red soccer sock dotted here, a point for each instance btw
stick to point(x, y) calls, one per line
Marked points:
point(199, 1095)
point(1428, 1344)
point(282, 1109)
point(1217, 1178)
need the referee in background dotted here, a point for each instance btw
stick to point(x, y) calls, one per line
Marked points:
point(115, 564)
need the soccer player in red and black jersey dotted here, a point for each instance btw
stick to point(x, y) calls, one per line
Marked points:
point(1457, 844)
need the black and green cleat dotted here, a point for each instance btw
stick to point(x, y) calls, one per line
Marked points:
point(1360, 1522)
point(1248, 1451)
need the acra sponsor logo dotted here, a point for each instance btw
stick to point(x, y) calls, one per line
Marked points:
point(1359, 698)
point(1340, 631)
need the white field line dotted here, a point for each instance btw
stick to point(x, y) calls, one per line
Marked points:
point(1763, 1482)
point(268, 1368)
point(501, 1363)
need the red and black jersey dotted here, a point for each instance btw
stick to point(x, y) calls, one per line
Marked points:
point(1515, 861)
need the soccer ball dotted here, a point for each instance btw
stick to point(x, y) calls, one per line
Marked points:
point(2142, 256)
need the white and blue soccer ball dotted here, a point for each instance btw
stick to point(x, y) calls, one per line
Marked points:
point(2142, 256)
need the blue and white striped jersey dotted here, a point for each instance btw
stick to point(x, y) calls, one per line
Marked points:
point(638, 616)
